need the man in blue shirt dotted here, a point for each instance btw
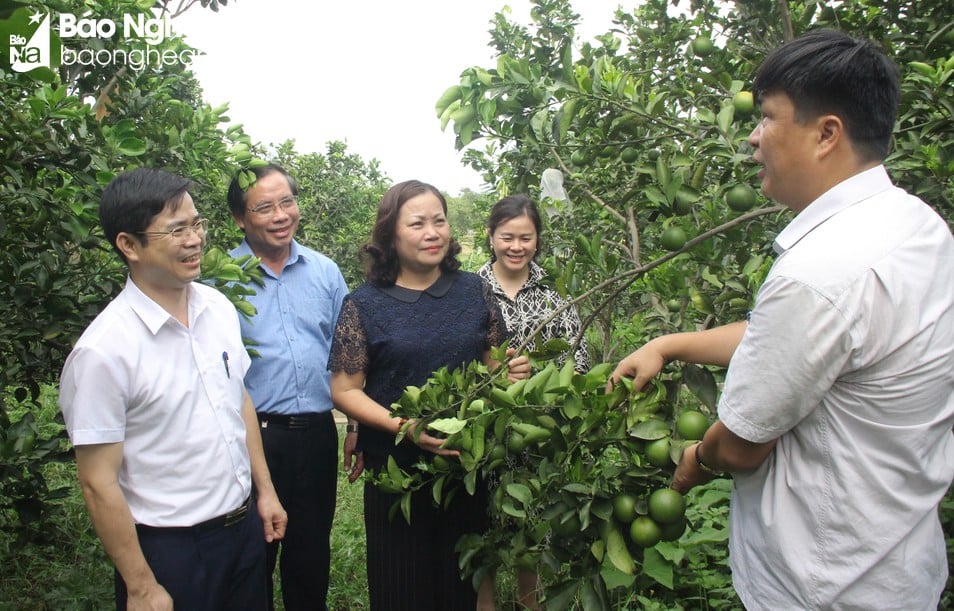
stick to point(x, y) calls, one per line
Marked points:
point(289, 383)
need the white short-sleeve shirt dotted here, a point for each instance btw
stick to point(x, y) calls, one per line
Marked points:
point(848, 360)
point(172, 395)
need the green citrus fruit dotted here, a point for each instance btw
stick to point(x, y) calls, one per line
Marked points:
point(567, 527)
point(624, 508)
point(629, 154)
point(682, 203)
point(740, 197)
point(608, 151)
point(673, 305)
point(666, 506)
point(657, 452)
point(744, 103)
point(692, 424)
point(644, 532)
point(673, 238)
point(516, 443)
point(674, 530)
point(579, 158)
point(702, 46)
point(498, 452)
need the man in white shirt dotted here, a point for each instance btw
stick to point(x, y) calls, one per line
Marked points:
point(167, 443)
point(835, 419)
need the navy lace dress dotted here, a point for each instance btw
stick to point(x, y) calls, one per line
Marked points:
point(399, 337)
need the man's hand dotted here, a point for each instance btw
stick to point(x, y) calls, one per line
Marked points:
point(154, 598)
point(353, 461)
point(688, 472)
point(273, 515)
point(642, 366)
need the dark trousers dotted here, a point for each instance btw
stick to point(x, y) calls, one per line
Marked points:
point(302, 456)
point(208, 570)
point(413, 567)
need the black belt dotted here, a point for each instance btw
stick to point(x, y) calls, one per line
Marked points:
point(223, 521)
point(297, 421)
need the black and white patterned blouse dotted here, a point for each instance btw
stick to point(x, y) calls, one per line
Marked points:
point(535, 302)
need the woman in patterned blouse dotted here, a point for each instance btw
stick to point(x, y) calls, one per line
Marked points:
point(516, 279)
point(513, 229)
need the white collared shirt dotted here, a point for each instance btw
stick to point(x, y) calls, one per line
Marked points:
point(848, 360)
point(140, 377)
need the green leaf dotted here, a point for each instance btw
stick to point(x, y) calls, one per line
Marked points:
point(521, 493)
point(448, 426)
point(650, 429)
point(657, 567)
point(702, 384)
point(509, 509)
point(131, 146)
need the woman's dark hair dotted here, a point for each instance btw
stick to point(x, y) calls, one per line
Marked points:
point(133, 199)
point(829, 72)
point(238, 197)
point(381, 265)
point(509, 208)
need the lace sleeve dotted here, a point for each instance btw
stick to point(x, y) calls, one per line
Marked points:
point(349, 348)
point(497, 327)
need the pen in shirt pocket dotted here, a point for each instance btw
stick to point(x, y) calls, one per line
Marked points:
point(225, 361)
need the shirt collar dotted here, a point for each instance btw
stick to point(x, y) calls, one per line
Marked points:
point(843, 195)
point(152, 314)
point(294, 254)
point(535, 276)
point(436, 290)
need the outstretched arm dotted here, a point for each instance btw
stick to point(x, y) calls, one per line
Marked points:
point(710, 347)
point(347, 393)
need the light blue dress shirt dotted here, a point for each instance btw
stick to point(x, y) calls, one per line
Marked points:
point(292, 331)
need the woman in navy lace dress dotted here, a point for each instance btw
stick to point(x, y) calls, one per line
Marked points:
point(416, 313)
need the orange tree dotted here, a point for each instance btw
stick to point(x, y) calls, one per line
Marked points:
point(662, 230)
point(66, 133)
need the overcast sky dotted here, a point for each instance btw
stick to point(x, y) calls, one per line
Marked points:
point(366, 72)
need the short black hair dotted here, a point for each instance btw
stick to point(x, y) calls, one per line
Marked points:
point(237, 196)
point(133, 199)
point(829, 72)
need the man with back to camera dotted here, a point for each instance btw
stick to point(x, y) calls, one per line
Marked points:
point(297, 310)
point(167, 450)
point(836, 414)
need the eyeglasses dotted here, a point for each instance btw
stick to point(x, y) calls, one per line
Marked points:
point(268, 208)
point(199, 228)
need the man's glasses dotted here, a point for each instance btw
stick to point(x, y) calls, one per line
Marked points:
point(179, 234)
point(269, 208)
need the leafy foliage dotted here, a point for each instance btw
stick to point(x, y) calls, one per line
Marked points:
point(645, 130)
point(558, 450)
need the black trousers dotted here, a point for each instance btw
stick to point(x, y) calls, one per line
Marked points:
point(221, 569)
point(302, 456)
point(413, 567)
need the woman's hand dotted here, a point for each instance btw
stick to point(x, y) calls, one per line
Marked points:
point(518, 367)
point(428, 442)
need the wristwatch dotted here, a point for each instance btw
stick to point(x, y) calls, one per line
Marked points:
point(703, 466)
point(351, 428)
